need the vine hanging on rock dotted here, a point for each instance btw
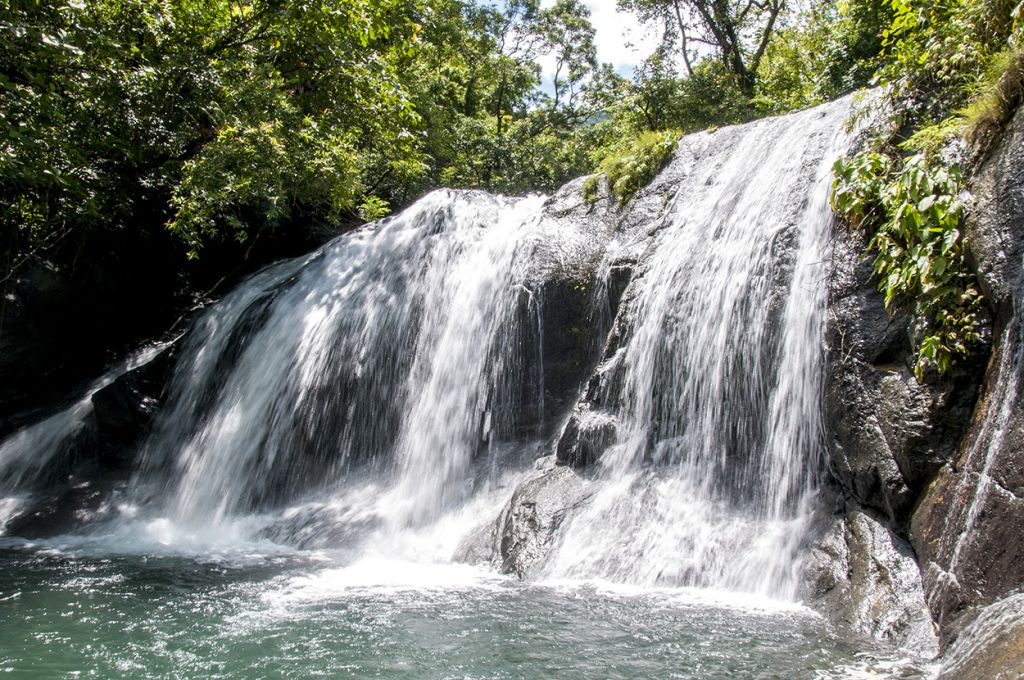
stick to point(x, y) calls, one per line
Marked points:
point(912, 213)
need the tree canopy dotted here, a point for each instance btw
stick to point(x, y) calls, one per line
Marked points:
point(222, 120)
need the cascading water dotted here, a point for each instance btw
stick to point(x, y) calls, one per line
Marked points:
point(394, 355)
point(28, 456)
point(385, 382)
point(714, 386)
point(341, 426)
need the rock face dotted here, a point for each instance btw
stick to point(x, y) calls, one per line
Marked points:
point(573, 308)
point(530, 522)
point(865, 578)
point(889, 434)
point(93, 448)
point(590, 426)
point(990, 647)
point(968, 529)
point(60, 324)
point(517, 541)
point(941, 464)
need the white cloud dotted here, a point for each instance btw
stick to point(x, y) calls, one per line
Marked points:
point(621, 39)
point(619, 36)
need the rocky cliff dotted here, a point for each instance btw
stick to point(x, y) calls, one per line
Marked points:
point(968, 526)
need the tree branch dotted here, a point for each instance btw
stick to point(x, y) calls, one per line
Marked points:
point(774, 10)
point(682, 33)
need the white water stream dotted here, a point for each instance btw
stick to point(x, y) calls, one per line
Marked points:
point(371, 396)
point(716, 391)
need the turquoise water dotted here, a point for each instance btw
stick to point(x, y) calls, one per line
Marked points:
point(68, 614)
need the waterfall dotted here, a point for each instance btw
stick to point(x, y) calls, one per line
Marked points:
point(395, 351)
point(398, 376)
point(714, 389)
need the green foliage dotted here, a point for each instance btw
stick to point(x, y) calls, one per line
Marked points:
point(373, 208)
point(913, 216)
point(995, 98)
point(591, 188)
point(225, 119)
point(658, 99)
point(826, 51)
point(711, 97)
point(930, 140)
point(950, 69)
point(217, 118)
point(634, 164)
point(935, 53)
point(486, 123)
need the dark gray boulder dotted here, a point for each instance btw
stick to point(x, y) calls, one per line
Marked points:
point(95, 450)
point(530, 522)
point(517, 541)
point(123, 412)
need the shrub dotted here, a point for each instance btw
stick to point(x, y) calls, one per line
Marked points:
point(995, 100)
point(913, 216)
point(635, 164)
point(591, 188)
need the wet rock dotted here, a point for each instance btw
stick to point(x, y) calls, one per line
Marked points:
point(566, 298)
point(482, 546)
point(590, 428)
point(94, 452)
point(991, 647)
point(523, 533)
point(581, 278)
point(889, 434)
point(968, 529)
point(63, 508)
point(123, 412)
point(588, 432)
point(530, 522)
point(865, 579)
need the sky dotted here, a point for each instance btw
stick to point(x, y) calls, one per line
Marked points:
point(620, 38)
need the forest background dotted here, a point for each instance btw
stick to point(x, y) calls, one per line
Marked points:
point(153, 151)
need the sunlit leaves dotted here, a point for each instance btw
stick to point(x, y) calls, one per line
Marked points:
point(216, 117)
point(935, 51)
point(913, 216)
point(634, 165)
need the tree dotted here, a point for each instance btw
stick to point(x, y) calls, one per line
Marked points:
point(518, 47)
point(738, 31)
point(568, 35)
point(827, 50)
point(219, 117)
